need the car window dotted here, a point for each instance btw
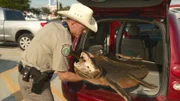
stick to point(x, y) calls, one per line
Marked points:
point(106, 31)
point(13, 15)
point(145, 27)
point(142, 40)
point(1, 16)
point(107, 36)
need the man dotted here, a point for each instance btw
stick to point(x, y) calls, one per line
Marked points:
point(48, 53)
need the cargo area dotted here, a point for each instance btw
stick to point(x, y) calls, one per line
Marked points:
point(141, 39)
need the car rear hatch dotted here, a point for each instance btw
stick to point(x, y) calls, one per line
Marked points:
point(156, 9)
point(149, 9)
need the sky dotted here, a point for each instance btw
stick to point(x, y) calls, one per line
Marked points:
point(42, 3)
point(175, 1)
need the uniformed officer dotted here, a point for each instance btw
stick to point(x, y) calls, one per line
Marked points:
point(48, 53)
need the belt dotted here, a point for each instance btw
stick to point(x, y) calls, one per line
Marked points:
point(32, 72)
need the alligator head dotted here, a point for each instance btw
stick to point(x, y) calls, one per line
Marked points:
point(86, 67)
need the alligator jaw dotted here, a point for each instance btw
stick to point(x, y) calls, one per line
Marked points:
point(87, 67)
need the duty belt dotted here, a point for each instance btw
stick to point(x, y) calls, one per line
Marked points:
point(31, 72)
point(39, 78)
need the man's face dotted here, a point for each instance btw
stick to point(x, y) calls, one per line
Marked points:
point(78, 29)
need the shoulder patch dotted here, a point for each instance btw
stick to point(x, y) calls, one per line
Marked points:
point(66, 49)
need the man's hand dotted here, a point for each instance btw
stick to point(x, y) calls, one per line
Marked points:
point(69, 76)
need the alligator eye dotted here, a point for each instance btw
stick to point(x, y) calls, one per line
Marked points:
point(88, 68)
point(83, 60)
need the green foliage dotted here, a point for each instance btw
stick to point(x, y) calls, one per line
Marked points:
point(23, 5)
point(60, 6)
point(15, 4)
point(66, 8)
point(45, 10)
point(35, 10)
point(63, 8)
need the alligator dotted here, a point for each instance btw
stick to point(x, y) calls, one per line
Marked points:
point(101, 70)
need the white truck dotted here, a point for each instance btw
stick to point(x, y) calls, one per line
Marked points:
point(14, 27)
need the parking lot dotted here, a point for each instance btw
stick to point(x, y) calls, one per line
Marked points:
point(9, 88)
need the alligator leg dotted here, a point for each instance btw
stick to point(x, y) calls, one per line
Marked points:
point(118, 89)
point(144, 83)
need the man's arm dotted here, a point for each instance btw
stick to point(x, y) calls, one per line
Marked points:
point(69, 76)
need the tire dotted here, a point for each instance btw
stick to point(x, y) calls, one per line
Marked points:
point(24, 41)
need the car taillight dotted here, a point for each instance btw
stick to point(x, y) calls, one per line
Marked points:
point(176, 85)
point(43, 23)
point(176, 71)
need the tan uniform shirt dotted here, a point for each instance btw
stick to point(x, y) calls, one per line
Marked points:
point(46, 50)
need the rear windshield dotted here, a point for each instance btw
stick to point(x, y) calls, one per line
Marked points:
point(13, 15)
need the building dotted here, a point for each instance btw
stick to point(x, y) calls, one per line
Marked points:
point(53, 5)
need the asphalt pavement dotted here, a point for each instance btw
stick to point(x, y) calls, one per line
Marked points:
point(9, 89)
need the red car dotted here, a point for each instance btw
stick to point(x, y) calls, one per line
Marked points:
point(138, 28)
point(175, 6)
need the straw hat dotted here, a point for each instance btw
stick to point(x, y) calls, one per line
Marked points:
point(82, 14)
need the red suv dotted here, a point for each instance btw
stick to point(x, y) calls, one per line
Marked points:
point(138, 28)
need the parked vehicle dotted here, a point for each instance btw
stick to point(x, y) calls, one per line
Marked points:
point(175, 7)
point(153, 34)
point(30, 17)
point(13, 27)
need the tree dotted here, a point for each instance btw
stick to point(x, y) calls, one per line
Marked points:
point(66, 8)
point(45, 10)
point(35, 10)
point(60, 6)
point(15, 4)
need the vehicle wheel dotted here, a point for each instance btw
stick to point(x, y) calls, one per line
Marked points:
point(24, 41)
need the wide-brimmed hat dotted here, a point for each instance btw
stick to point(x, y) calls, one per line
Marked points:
point(81, 14)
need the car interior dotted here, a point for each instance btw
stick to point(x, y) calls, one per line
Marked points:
point(140, 39)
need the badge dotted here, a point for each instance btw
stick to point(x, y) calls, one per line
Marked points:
point(66, 49)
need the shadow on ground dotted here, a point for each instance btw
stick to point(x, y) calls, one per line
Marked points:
point(17, 96)
point(9, 45)
point(7, 65)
